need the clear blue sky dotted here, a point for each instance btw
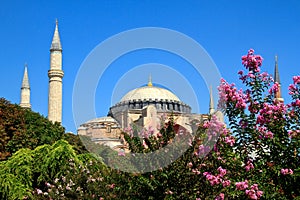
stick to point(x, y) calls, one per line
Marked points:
point(226, 31)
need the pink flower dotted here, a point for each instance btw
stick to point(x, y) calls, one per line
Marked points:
point(213, 180)
point(220, 197)
point(286, 171)
point(296, 103)
point(271, 112)
point(296, 79)
point(254, 193)
point(269, 134)
point(241, 185)
point(206, 173)
point(190, 164)
point(230, 140)
point(222, 171)
point(293, 89)
point(251, 194)
point(249, 166)
point(274, 89)
point(259, 193)
point(196, 171)
point(228, 93)
point(226, 183)
point(112, 186)
point(251, 61)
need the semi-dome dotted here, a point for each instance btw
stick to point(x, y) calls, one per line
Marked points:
point(150, 92)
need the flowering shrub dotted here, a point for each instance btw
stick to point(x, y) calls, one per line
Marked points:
point(265, 132)
point(55, 172)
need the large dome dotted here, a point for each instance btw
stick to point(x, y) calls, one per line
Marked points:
point(150, 92)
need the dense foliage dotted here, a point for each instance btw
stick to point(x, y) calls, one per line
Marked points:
point(22, 128)
point(55, 172)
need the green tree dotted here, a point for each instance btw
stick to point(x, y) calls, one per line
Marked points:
point(22, 128)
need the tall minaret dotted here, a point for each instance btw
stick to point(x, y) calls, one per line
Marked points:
point(25, 90)
point(277, 80)
point(211, 102)
point(55, 75)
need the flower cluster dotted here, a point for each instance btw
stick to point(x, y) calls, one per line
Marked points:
point(230, 140)
point(296, 80)
point(274, 89)
point(218, 179)
point(294, 90)
point(296, 103)
point(251, 61)
point(229, 93)
point(271, 112)
point(254, 193)
point(215, 127)
point(249, 165)
point(264, 133)
point(242, 185)
point(221, 196)
point(286, 171)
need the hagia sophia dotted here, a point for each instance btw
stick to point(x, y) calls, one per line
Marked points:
point(145, 106)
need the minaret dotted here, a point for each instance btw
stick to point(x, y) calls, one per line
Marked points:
point(211, 102)
point(55, 75)
point(277, 80)
point(25, 90)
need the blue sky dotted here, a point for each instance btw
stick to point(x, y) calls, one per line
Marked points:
point(225, 30)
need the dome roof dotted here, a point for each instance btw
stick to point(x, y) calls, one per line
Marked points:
point(150, 92)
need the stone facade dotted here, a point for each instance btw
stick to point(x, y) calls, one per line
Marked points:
point(103, 130)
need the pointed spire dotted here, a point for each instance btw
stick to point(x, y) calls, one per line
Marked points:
point(277, 80)
point(25, 90)
point(211, 102)
point(150, 81)
point(25, 82)
point(56, 45)
point(276, 72)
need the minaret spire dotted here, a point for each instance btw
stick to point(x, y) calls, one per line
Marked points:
point(25, 90)
point(56, 45)
point(277, 80)
point(150, 81)
point(211, 102)
point(55, 75)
